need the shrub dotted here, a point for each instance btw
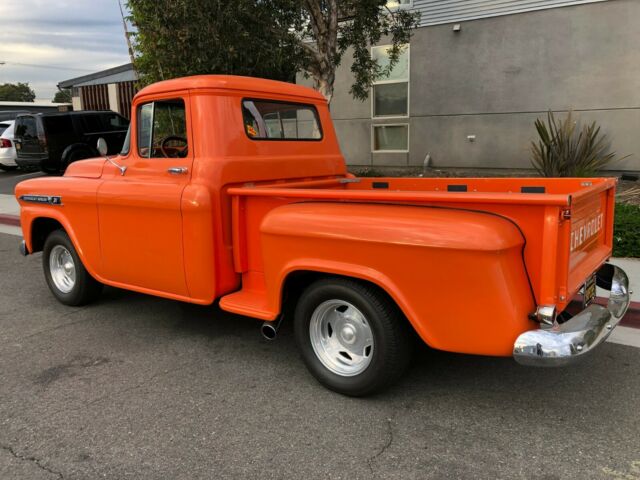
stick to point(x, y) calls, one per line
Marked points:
point(626, 231)
point(566, 150)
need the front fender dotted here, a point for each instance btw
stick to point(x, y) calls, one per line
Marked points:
point(457, 275)
point(77, 213)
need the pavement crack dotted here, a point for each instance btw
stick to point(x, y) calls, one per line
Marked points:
point(119, 392)
point(384, 447)
point(62, 325)
point(30, 458)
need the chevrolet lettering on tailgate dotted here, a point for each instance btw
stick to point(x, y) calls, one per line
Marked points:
point(583, 232)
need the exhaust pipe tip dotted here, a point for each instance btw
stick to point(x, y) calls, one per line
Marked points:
point(269, 331)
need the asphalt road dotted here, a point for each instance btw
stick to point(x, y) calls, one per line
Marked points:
point(145, 388)
point(9, 180)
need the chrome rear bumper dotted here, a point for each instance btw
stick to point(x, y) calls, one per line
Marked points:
point(565, 343)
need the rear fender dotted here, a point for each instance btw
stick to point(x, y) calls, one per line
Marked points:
point(458, 276)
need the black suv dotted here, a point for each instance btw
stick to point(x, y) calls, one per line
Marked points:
point(51, 141)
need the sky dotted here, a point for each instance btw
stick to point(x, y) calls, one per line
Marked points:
point(58, 40)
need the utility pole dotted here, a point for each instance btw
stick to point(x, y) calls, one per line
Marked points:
point(126, 34)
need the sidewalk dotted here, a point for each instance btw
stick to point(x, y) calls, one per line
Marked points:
point(9, 210)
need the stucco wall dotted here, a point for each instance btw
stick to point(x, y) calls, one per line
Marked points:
point(497, 75)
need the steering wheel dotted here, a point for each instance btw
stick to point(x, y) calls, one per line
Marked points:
point(179, 151)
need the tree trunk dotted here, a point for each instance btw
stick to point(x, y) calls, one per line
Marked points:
point(325, 87)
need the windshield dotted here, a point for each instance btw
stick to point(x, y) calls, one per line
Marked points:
point(3, 127)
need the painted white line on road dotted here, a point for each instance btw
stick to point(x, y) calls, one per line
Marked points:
point(9, 230)
point(625, 336)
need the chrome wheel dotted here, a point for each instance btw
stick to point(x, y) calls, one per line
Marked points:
point(62, 269)
point(341, 337)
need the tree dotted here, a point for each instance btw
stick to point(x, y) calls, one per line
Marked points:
point(188, 37)
point(16, 92)
point(268, 38)
point(63, 95)
point(327, 29)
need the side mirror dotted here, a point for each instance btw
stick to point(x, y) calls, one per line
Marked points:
point(102, 146)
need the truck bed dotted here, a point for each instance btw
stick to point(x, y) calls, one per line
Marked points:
point(567, 223)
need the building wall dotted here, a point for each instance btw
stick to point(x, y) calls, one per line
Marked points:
point(112, 96)
point(435, 12)
point(497, 75)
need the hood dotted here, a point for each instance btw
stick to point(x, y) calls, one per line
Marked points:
point(91, 168)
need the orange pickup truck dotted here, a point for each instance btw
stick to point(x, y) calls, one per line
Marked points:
point(234, 189)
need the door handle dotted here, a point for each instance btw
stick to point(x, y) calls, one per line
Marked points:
point(178, 170)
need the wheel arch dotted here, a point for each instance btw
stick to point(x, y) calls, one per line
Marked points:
point(296, 279)
point(40, 229)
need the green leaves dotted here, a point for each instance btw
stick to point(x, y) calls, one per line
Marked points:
point(178, 38)
point(565, 150)
point(267, 38)
point(62, 96)
point(16, 92)
point(626, 231)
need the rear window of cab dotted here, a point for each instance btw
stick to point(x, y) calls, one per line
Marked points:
point(276, 120)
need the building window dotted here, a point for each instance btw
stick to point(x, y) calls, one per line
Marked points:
point(396, 4)
point(390, 95)
point(391, 138)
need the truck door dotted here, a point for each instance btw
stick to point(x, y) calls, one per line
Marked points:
point(139, 209)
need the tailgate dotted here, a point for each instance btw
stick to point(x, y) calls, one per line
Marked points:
point(591, 232)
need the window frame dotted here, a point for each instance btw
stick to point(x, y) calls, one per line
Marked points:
point(139, 107)
point(311, 106)
point(138, 117)
point(388, 82)
point(379, 125)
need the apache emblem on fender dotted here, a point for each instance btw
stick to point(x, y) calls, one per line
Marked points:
point(50, 200)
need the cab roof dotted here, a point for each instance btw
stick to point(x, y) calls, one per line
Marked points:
point(231, 82)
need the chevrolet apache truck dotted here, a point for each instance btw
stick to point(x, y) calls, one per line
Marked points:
point(234, 189)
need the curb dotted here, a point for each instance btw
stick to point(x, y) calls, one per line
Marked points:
point(11, 220)
point(632, 317)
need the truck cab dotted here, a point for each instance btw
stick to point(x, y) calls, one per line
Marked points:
point(234, 189)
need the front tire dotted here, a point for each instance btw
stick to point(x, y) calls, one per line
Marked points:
point(353, 338)
point(66, 276)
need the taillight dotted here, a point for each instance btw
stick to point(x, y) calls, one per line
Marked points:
point(5, 143)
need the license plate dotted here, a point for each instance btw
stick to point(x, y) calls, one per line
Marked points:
point(18, 146)
point(589, 290)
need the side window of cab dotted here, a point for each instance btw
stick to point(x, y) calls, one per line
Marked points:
point(162, 129)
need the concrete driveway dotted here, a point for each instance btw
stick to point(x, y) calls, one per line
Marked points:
point(146, 388)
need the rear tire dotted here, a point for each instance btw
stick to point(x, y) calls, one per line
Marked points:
point(66, 276)
point(353, 338)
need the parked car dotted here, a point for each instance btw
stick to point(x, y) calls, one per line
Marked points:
point(7, 149)
point(51, 141)
point(235, 188)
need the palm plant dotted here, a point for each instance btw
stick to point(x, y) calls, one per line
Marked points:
point(566, 150)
